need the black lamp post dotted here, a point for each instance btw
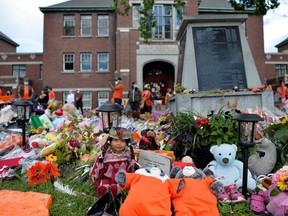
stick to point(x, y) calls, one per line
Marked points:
point(23, 112)
point(110, 114)
point(246, 122)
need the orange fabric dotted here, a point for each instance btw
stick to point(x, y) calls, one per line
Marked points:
point(24, 203)
point(1, 92)
point(146, 95)
point(6, 98)
point(148, 196)
point(118, 91)
point(51, 95)
point(194, 199)
point(26, 93)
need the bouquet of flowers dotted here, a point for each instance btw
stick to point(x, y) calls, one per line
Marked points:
point(280, 178)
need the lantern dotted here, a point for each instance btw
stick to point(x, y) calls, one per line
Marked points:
point(246, 137)
point(110, 115)
point(23, 113)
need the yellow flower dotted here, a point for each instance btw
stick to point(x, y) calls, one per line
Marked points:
point(284, 121)
point(51, 157)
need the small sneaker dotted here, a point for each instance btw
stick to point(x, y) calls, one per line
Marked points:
point(257, 204)
point(223, 197)
point(235, 195)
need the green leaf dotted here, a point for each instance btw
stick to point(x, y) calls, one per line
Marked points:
point(275, 191)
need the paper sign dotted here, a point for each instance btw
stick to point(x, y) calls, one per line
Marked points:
point(150, 159)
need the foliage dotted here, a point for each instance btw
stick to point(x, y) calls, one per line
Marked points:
point(122, 7)
point(278, 133)
point(235, 209)
point(260, 6)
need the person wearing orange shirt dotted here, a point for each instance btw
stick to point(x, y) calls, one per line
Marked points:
point(51, 95)
point(25, 91)
point(146, 96)
point(1, 91)
point(281, 90)
point(117, 91)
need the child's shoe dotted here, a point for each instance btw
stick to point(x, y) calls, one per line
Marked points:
point(257, 204)
point(234, 194)
point(223, 197)
point(101, 190)
point(113, 190)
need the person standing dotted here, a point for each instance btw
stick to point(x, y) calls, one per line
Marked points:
point(169, 95)
point(146, 97)
point(70, 97)
point(79, 100)
point(51, 95)
point(134, 97)
point(25, 91)
point(43, 99)
point(117, 91)
point(281, 90)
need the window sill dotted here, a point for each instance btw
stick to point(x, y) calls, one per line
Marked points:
point(85, 36)
point(68, 72)
point(102, 71)
point(102, 36)
point(68, 36)
point(85, 71)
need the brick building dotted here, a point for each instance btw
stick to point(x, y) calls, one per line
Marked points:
point(86, 45)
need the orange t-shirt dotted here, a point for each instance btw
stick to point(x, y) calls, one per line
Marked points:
point(118, 91)
point(195, 198)
point(148, 196)
point(51, 95)
point(146, 95)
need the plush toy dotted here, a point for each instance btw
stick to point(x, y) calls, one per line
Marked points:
point(193, 192)
point(186, 161)
point(149, 193)
point(148, 140)
point(68, 109)
point(264, 160)
point(6, 115)
point(226, 168)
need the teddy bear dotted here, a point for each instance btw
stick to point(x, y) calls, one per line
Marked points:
point(148, 192)
point(193, 191)
point(6, 115)
point(148, 140)
point(229, 170)
point(186, 161)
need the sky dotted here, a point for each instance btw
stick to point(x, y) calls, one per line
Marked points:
point(22, 21)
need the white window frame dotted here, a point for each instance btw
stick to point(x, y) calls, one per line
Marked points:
point(19, 70)
point(86, 25)
point(68, 58)
point(86, 61)
point(69, 25)
point(161, 15)
point(280, 70)
point(102, 97)
point(102, 59)
point(87, 100)
point(103, 25)
point(136, 15)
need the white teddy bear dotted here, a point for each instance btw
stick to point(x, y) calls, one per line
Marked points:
point(226, 168)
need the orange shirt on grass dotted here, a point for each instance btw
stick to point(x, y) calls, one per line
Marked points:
point(148, 196)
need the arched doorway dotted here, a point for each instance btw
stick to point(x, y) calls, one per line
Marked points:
point(161, 73)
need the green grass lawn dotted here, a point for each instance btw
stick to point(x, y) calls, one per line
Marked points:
point(62, 204)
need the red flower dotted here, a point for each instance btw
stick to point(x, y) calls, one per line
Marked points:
point(200, 121)
point(35, 174)
point(51, 170)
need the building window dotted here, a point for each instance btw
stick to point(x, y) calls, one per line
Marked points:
point(86, 62)
point(19, 70)
point(103, 96)
point(69, 25)
point(86, 25)
point(68, 62)
point(87, 100)
point(163, 18)
point(135, 15)
point(179, 16)
point(103, 62)
point(41, 72)
point(103, 25)
point(281, 70)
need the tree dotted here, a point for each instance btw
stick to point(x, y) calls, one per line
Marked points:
point(122, 7)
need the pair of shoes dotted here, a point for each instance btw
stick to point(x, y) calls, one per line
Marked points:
point(223, 197)
point(257, 204)
point(234, 194)
point(101, 190)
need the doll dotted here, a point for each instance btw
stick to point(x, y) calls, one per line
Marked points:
point(117, 155)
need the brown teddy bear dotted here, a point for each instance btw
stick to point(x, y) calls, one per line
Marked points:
point(148, 140)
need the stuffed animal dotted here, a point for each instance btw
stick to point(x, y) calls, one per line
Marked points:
point(149, 193)
point(148, 140)
point(6, 115)
point(226, 168)
point(193, 192)
point(264, 160)
point(186, 161)
point(68, 109)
